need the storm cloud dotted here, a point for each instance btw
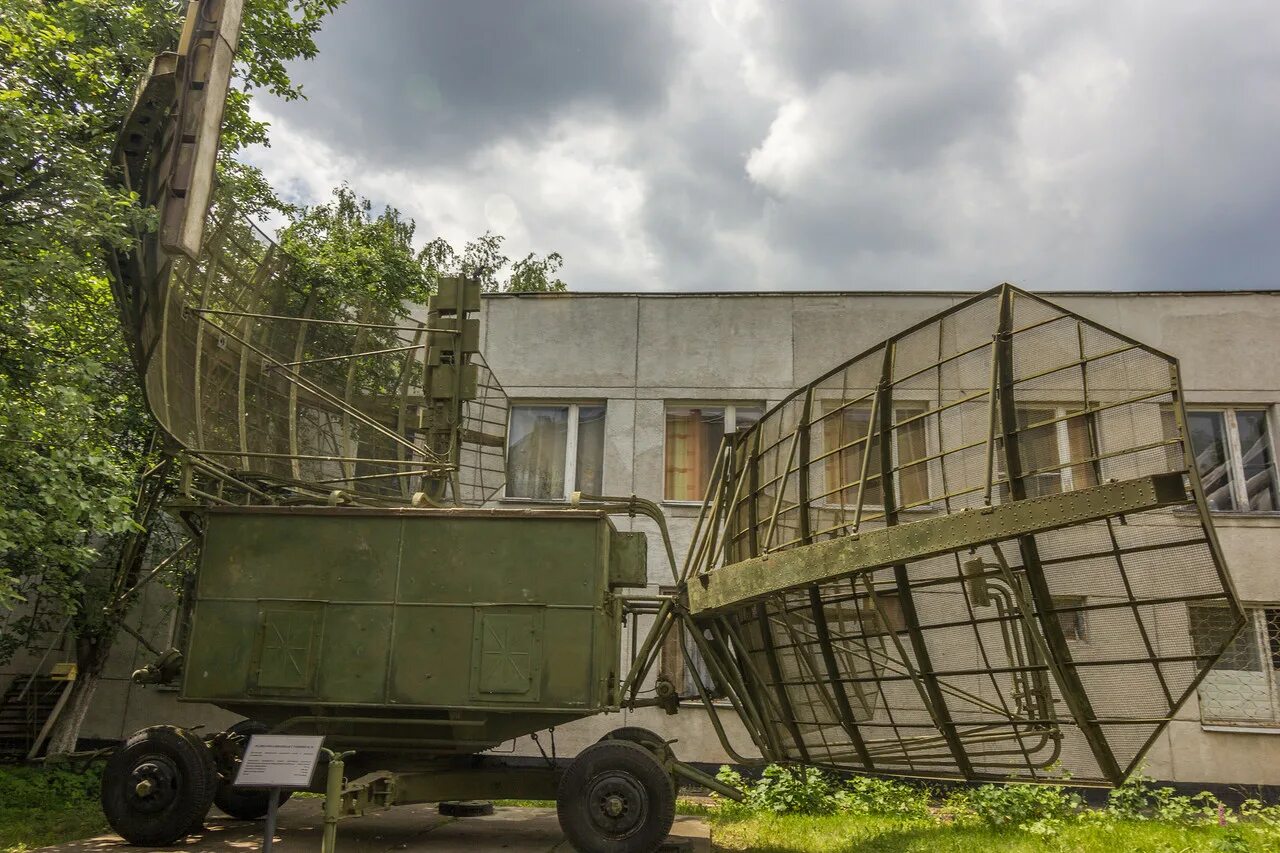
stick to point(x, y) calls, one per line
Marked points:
point(810, 144)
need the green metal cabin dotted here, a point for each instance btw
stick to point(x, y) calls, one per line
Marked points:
point(482, 624)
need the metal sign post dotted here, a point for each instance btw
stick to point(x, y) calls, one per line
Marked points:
point(269, 836)
point(276, 762)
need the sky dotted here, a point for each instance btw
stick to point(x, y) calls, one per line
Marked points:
point(709, 145)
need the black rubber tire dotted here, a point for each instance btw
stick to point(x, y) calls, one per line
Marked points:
point(616, 774)
point(211, 772)
point(245, 803)
point(182, 776)
point(637, 734)
point(465, 808)
point(649, 739)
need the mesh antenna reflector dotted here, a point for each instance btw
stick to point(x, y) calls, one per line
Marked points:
point(969, 551)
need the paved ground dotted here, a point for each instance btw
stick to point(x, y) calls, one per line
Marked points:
point(408, 828)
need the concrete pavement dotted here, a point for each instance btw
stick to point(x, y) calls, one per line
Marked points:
point(404, 828)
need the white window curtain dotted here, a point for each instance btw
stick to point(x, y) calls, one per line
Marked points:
point(536, 452)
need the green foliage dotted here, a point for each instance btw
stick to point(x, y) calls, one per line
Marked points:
point(47, 806)
point(1258, 811)
point(347, 262)
point(792, 790)
point(1139, 799)
point(870, 796)
point(988, 815)
point(1038, 809)
point(73, 430)
point(532, 274)
point(843, 833)
point(40, 788)
point(343, 254)
point(482, 258)
point(807, 790)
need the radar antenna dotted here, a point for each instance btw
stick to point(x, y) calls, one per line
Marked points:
point(272, 390)
point(968, 551)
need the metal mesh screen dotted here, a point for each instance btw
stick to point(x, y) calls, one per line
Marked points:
point(482, 455)
point(298, 391)
point(1060, 648)
point(1243, 687)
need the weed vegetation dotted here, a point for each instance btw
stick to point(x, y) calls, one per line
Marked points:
point(40, 806)
point(803, 810)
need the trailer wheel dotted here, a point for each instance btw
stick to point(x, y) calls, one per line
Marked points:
point(158, 787)
point(616, 797)
point(638, 734)
point(243, 803)
point(648, 739)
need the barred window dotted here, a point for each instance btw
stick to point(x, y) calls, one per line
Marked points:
point(1244, 684)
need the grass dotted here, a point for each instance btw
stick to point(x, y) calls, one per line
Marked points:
point(765, 833)
point(40, 807)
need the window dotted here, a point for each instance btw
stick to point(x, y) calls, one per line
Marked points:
point(867, 618)
point(885, 615)
point(694, 434)
point(1049, 442)
point(1070, 612)
point(1232, 448)
point(551, 444)
point(673, 665)
point(844, 435)
point(1242, 686)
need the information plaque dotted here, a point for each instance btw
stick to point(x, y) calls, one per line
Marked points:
point(279, 761)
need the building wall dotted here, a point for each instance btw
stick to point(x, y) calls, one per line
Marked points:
point(637, 353)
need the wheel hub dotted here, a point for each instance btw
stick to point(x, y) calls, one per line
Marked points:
point(154, 784)
point(618, 804)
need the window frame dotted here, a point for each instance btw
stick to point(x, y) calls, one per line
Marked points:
point(671, 662)
point(570, 444)
point(1235, 453)
point(905, 409)
point(1076, 607)
point(728, 407)
point(1257, 618)
point(1063, 414)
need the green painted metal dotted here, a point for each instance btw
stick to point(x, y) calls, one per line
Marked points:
point(762, 576)
point(498, 621)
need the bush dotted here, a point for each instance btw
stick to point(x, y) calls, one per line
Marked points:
point(809, 791)
point(867, 795)
point(1138, 799)
point(37, 787)
point(1261, 812)
point(792, 790)
point(40, 806)
point(1039, 809)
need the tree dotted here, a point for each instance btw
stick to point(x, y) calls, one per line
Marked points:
point(342, 251)
point(73, 431)
point(482, 258)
